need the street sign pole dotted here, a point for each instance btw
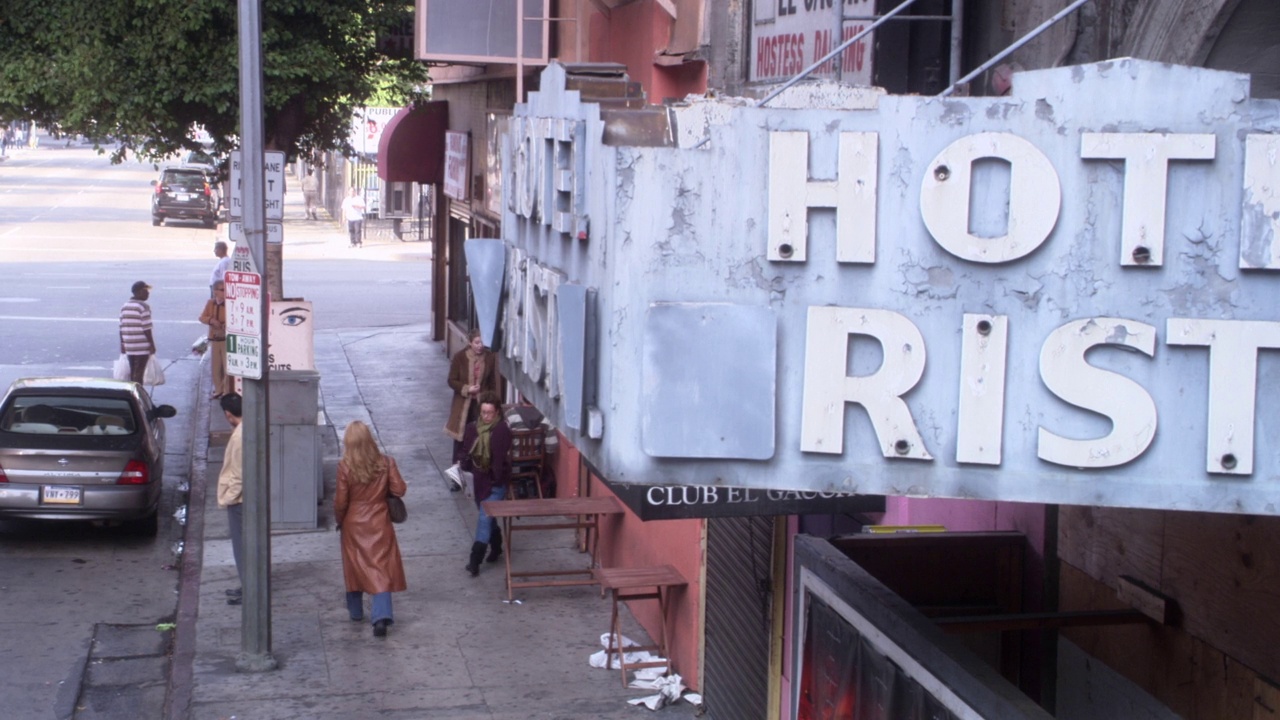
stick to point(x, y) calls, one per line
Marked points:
point(255, 625)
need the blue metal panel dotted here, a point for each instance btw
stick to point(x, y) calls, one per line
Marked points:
point(486, 259)
point(709, 373)
point(573, 346)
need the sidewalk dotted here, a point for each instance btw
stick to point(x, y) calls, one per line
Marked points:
point(457, 650)
point(326, 238)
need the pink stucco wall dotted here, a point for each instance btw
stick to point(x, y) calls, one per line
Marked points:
point(632, 35)
point(630, 542)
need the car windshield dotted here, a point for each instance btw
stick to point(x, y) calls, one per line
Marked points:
point(64, 414)
point(195, 157)
point(186, 180)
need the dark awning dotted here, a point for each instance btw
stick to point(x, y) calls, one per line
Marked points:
point(412, 144)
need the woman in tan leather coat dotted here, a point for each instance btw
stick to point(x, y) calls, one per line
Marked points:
point(472, 371)
point(370, 554)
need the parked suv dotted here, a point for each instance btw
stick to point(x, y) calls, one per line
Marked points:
point(185, 194)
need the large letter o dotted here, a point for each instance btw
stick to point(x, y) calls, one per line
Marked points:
point(1035, 198)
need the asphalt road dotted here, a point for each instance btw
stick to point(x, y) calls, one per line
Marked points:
point(79, 635)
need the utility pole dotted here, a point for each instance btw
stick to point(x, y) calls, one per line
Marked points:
point(255, 623)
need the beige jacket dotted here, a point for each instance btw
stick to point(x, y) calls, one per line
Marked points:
point(230, 479)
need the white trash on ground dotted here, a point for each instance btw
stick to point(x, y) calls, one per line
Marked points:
point(669, 690)
point(669, 687)
point(597, 659)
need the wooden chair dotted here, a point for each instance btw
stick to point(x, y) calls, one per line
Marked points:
point(629, 585)
point(528, 459)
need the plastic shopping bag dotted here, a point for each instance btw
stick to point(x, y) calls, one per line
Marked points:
point(120, 370)
point(154, 374)
point(453, 474)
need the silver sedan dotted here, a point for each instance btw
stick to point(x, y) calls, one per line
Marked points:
point(82, 449)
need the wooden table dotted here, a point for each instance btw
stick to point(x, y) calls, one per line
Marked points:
point(642, 583)
point(586, 513)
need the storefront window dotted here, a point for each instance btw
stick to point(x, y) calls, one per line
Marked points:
point(844, 677)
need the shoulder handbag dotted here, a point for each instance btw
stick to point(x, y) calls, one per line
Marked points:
point(395, 507)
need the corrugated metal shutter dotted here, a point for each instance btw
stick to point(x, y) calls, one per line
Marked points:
point(736, 666)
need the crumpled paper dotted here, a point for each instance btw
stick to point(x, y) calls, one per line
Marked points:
point(597, 659)
point(669, 688)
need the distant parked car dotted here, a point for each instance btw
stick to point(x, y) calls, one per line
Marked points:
point(200, 160)
point(82, 449)
point(185, 194)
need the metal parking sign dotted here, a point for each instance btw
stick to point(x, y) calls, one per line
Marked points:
point(235, 232)
point(244, 356)
point(244, 333)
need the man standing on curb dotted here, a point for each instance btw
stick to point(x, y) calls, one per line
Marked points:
point(222, 266)
point(135, 331)
point(230, 484)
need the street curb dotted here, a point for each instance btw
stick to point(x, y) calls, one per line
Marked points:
point(181, 662)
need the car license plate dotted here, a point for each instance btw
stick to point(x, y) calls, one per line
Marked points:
point(184, 197)
point(60, 495)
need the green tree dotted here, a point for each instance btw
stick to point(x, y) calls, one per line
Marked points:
point(144, 72)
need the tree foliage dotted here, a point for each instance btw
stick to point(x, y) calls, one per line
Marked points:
point(142, 73)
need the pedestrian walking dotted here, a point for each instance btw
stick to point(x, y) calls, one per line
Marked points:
point(230, 490)
point(488, 458)
point(353, 212)
point(136, 341)
point(473, 370)
point(311, 194)
point(215, 316)
point(370, 554)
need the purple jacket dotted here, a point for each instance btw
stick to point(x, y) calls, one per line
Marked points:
point(499, 472)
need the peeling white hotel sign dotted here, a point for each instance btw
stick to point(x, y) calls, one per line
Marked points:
point(1066, 295)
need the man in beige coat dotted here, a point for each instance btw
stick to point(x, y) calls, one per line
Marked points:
point(230, 484)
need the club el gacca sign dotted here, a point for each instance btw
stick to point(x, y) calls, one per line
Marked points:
point(244, 331)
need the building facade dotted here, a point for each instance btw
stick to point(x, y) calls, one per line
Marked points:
point(852, 292)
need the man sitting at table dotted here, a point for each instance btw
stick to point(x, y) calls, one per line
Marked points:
point(485, 452)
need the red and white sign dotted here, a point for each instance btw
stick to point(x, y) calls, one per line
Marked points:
point(790, 35)
point(244, 324)
point(457, 164)
point(244, 303)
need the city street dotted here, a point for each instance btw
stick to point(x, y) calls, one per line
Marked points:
point(75, 233)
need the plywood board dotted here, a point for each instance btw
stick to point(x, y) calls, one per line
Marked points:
point(1108, 542)
point(1224, 573)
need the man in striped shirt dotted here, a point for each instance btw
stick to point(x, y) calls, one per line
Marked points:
point(135, 331)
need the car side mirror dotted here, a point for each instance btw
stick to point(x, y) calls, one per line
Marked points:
point(163, 411)
point(153, 183)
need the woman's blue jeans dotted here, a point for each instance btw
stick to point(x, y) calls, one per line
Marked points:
point(381, 606)
point(484, 524)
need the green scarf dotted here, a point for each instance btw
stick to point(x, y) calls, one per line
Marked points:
point(480, 451)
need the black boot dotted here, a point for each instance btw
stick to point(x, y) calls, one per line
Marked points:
point(495, 544)
point(477, 554)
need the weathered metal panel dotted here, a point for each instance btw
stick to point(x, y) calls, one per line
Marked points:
point(1135, 325)
point(688, 412)
point(486, 262)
